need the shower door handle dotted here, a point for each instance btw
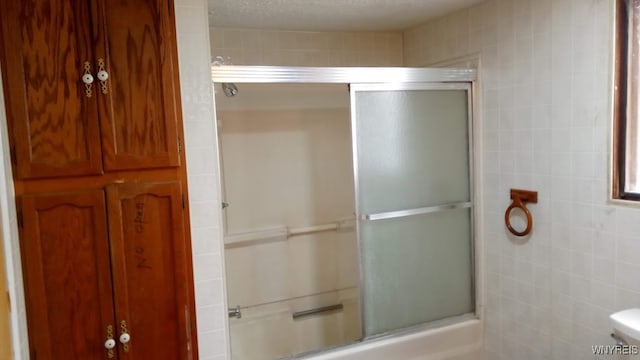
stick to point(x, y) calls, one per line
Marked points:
point(418, 211)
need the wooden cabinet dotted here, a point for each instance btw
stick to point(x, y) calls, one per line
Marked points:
point(94, 262)
point(92, 97)
point(63, 127)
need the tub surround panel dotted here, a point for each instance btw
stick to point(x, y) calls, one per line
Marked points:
point(311, 264)
point(545, 84)
point(287, 165)
point(270, 332)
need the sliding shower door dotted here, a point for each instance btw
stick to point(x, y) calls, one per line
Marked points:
point(414, 202)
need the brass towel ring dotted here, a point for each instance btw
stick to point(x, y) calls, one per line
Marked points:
point(520, 197)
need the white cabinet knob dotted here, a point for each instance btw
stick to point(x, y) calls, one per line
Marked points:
point(124, 338)
point(87, 79)
point(110, 344)
point(103, 75)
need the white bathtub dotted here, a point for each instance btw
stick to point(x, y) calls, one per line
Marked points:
point(459, 341)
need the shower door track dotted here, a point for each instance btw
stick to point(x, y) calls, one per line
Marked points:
point(337, 75)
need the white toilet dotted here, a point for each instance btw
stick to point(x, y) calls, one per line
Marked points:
point(626, 331)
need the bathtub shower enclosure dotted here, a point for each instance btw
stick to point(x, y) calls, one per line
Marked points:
point(348, 196)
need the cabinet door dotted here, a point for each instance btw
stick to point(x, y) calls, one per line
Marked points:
point(136, 41)
point(54, 121)
point(65, 257)
point(151, 261)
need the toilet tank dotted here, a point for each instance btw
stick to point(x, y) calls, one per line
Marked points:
point(627, 323)
point(626, 327)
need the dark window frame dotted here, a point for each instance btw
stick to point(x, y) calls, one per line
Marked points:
point(620, 111)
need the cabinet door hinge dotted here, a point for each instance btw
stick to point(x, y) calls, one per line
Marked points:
point(9, 301)
point(179, 145)
point(183, 201)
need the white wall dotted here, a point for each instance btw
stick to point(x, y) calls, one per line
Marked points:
point(545, 67)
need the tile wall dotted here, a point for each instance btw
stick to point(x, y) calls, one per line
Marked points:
point(202, 169)
point(306, 48)
point(545, 126)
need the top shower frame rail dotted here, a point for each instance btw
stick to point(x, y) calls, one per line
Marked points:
point(337, 75)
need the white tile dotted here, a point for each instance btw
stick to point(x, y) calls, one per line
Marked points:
point(582, 215)
point(581, 263)
point(581, 240)
point(580, 287)
point(203, 189)
point(561, 164)
point(202, 161)
point(561, 188)
point(191, 19)
point(604, 244)
point(628, 223)
point(604, 269)
point(207, 267)
point(212, 344)
point(542, 140)
point(199, 134)
point(628, 248)
point(583, 164)
point(204, 214)
point(206, 240)
point(209, 292)
point(211, 318)
point(583, 189)
point(627, 276)
point(193, 3)
point(626, 299)
point(582, 139)
point(603, 294)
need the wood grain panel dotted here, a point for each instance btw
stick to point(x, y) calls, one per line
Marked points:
point(54, 124)
point(141, 108)
point(65, 256)
point(151, 262)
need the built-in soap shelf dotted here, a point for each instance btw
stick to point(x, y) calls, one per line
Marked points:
point(283, 233)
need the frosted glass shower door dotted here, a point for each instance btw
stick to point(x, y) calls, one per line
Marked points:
point(414, 202)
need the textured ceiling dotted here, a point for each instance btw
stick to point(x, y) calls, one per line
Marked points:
point(330, 15)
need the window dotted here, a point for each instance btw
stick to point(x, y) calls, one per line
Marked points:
point(626, 149)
